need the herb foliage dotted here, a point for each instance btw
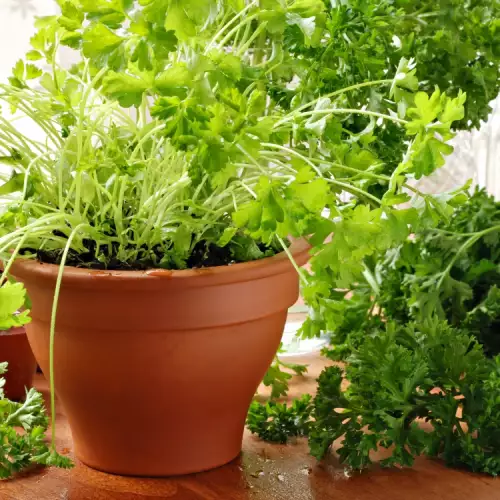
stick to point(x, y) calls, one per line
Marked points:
point(221, 148)
point(19, 450)
point(427, 371)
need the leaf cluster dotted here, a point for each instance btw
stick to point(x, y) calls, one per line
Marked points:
point(454, 42)
point(214, 161)
point(451, 271)
point(279, 374)
point(404, 375)
point(277, 422)
point(22, 433)
point(12, 299)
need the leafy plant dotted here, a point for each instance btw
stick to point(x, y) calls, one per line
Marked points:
point(451, 271)
point(277, 423)
point(211, 165)
point(403, 374)
point(278, 375)
point(19, 450)
point(454, 42)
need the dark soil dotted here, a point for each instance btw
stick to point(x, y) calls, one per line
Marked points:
point(203, 255)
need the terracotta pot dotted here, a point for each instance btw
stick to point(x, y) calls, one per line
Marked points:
point(156, 369)
point(15, 349)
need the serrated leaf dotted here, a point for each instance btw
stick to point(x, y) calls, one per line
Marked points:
point(34, 55)
point(98, 40)
point(126, 88)
point(176, 76)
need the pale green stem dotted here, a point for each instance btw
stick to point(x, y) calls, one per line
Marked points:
point(353, 189)
point(343, 111)
point(6, 270)
point(231, 33)
point(255, 35)
point(339, 92)
point(227, 25)
point(296, 154)
point(53, 317)
point(462, 249)
point(292, 260)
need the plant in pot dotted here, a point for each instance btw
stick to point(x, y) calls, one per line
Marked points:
point(22, 424)
point(165, 243)
point(14, 346)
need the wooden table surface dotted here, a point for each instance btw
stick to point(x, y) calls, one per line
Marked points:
point(263, 472)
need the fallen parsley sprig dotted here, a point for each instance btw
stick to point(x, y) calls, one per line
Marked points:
point(21, 449)
point(278, 422)
point(405, 374)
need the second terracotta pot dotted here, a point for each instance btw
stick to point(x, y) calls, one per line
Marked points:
point(156, 369)
point(15, 349)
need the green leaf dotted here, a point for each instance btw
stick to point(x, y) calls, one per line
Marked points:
point(391, 199)
point(178, 21)
point(425, 111)
point(99, 40)
point(174, 77)
point(306, 24)
point(141, 55)
point(228, 64)
point(12, 299)
point(32, 72)
point(18, 70)
point(313, 194)
point(71, 39)
point(127, 89)
point(15, 183)
point(72, 17)
point(34, 55)
point(274, 206)
point(429, 156)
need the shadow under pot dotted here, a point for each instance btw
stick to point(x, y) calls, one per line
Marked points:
point(15, 349)
point(173, 357)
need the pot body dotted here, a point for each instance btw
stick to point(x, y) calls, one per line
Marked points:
point(156, 369)
point(16, 350)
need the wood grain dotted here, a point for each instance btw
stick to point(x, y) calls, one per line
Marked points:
point(263, 472)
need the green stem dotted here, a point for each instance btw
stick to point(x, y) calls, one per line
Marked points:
point(341, 91)
point(363, 173)
point(233, 31)
point(53, 317)
point(462, 249)
point(292, 260)
point(294, 153)
point(344, 111)
point(6, 270)
point(354, 190)
point(227, 25)
point(255, 35)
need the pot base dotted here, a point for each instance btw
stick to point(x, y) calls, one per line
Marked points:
point(148, 473)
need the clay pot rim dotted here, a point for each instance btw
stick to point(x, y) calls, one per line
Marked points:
point(244, 271)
